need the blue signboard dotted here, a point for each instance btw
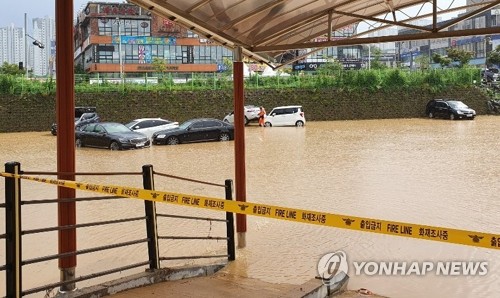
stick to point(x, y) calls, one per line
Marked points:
point(125, 39)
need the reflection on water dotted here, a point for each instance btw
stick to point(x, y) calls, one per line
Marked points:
point(434, 172)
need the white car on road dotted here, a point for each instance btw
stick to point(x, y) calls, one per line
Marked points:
point(286, 116)
point(251, 114)
point(148, 126)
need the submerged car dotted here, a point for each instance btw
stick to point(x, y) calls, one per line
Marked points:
point(195, 130)
point(148, 126)
point(286, 116)
point(449, 109)
point(110, 135)
point(83, 116)
point(251, 114)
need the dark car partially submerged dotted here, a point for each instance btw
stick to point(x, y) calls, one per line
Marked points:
point(195, 130)
point(83, 116)
point(449, 109)
point(110, 135)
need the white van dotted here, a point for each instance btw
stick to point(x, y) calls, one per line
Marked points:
point(286, 116)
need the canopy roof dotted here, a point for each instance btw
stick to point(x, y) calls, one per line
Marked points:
point(268, 28)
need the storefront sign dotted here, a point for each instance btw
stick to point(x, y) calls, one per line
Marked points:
point(125, 39)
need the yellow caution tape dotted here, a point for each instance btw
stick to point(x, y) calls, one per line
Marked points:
point(394, 228)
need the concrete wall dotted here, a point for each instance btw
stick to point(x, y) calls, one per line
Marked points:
point(37, 112)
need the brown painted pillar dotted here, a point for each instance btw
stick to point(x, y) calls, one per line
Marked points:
point(239, 143)
point(65, 108)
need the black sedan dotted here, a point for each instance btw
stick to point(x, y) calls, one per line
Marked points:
point(195, 130)
point(114, 136)
point(449, 109)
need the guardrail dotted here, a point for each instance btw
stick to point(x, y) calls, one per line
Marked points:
point(14, 232)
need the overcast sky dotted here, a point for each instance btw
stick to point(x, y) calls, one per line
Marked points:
point(14, 12)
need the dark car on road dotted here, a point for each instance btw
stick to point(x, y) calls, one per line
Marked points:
point(449, 109)
point(490, 75)
point(110, 135)
point(195, 130)
point(83, 116)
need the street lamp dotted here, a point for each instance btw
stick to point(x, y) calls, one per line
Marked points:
point(120, 48)
point(487, 42)
point(35, 42)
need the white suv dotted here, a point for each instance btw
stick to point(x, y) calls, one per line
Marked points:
point(251, 114)
point(286, 116)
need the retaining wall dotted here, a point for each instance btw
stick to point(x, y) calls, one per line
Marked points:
point(37, 112)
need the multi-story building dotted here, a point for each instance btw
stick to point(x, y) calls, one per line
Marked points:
point(43, 58)
point(111, 39)
point(12, 45)
point(480, 46)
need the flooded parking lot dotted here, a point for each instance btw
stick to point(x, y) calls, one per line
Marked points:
point(425, 171)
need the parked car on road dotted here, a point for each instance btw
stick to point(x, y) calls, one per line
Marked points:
point(490, 75)
point(286, 116)
point(195, 130)
point(251, 114)
point(83, 116)
point(111, 135)
point(449, 109)
point(148, 126)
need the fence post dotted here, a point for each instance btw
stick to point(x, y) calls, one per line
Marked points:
point(151, 225)
point(230, 223)
point(13, 229)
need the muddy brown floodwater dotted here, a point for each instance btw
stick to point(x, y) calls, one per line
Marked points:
point(424, 171)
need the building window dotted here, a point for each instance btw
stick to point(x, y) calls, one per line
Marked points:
point(109, 27)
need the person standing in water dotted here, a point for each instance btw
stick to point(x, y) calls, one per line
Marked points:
point(262, 114)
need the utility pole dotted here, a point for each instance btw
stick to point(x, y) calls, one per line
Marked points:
point(120, 49)
point(26, 43)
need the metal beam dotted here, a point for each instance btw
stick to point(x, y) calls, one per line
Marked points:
point(252, 13)
point(468, 15)
point(361, 17)
point(168, 11)
point(379, 39)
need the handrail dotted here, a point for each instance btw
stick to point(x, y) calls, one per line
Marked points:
point(13, 207)
point(192, 257)
point(82, 251)
point(192, 238)
point(191, 217)
point(188, 179)
point(85, 225)
point(84, 277)
point(79, 173)
point(45, 201)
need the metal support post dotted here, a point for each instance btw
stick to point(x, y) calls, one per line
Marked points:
point(230, 223)
point(151, 220)
point(65, 109)
point(239, 143)
point(13, 229)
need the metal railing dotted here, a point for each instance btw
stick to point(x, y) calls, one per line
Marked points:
point(14, 234)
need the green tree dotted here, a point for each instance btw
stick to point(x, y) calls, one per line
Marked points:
point(443, 61)
point(493, 57)
point(79, 69)
point(228, 66)
point(377, 63)
point(331, 67)
point(160, 66)
point(10, 69)
point(461, 56)
point(422, 61)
